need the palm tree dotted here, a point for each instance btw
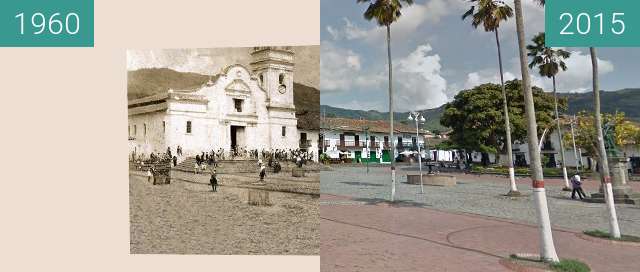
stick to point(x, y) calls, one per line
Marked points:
point(386, 12)
point(490, 13)
point(549, 62)
point(614, 229)
point(547, 249)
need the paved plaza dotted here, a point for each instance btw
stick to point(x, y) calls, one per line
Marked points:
point(469, 227)
point(186, 217)
point(482, 195)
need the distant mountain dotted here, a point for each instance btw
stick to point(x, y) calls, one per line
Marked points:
point(432, 115)
point(150, 81)
point(626, 100)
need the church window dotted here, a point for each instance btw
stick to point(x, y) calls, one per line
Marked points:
point(164, 126)
point(135, 130)
point(145, 130)
point(129, 130)
point(284, 131)
point(261, 80)
point(188, 126)
point(237, 104)
point(281, 79)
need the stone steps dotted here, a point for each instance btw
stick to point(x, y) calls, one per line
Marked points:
point(240, 166)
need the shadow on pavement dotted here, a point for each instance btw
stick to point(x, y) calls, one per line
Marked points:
point(397, 203)
point(355, 183)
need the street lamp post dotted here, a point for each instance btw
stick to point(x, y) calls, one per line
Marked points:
point(417, 116)
point(366, 141)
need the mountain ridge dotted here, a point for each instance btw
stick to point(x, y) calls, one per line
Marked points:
point(625, 100)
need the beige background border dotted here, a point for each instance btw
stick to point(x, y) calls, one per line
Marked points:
point(64, 181)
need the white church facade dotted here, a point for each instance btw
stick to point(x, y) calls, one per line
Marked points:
point(248, 108)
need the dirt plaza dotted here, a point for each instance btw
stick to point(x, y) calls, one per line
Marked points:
point(186, 217)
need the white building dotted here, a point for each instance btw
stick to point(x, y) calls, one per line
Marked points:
point(242, 107)
point(362, 140)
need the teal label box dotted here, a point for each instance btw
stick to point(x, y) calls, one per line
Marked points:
point(46, 23)
point(592, 23)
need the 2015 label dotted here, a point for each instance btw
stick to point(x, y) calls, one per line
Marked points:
point(592, 23)
point(583, 23)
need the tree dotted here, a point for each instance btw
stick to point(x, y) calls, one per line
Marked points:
point(490, 13)
point(549, 62)
point(614, 229)
point(474, 116)
point(626, 132)
point(547, 248)
point(386, 12)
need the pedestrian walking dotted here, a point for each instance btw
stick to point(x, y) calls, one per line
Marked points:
point(263, 170)
point(214, 181)
point(149, 175)
point(577, 187)
point(175, 161)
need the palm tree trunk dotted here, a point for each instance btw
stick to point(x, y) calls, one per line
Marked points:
point(547, 249)
point(614, 229)
point(507, 125)
point(393, 141)
point(564, 168)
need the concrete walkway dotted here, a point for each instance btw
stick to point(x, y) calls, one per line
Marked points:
point(366, 235)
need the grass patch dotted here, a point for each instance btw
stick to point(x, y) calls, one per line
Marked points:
point(498, 169)
point(568, 265)
point(564, 265)
point(606, 235)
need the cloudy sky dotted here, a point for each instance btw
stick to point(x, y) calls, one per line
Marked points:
point(211, 61)
point(436, 54)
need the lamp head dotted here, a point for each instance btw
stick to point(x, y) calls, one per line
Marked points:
point(422, 119)
point(410, 118)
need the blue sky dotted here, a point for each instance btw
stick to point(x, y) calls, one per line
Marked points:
point(436, 54)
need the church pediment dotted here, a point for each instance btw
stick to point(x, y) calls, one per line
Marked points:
point(238, 88)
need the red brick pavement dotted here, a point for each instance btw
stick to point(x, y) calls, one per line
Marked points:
point(357, 236)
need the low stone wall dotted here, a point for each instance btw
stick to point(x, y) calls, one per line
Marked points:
point(258, 197)
point(432, 179)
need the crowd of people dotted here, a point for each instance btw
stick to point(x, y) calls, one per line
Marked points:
point(209, 159)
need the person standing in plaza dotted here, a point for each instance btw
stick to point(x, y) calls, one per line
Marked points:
point(263, 170)
point(214, 181)
point(577, 187)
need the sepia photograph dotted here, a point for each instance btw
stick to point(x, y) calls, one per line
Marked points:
point(223, 150)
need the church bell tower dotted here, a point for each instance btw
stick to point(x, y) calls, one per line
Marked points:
point(274, 66)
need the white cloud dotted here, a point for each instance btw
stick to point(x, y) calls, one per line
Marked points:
point(412, 18)
point(577, 78)
point(419, 82)
point(486, 76)
point(340, 70)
